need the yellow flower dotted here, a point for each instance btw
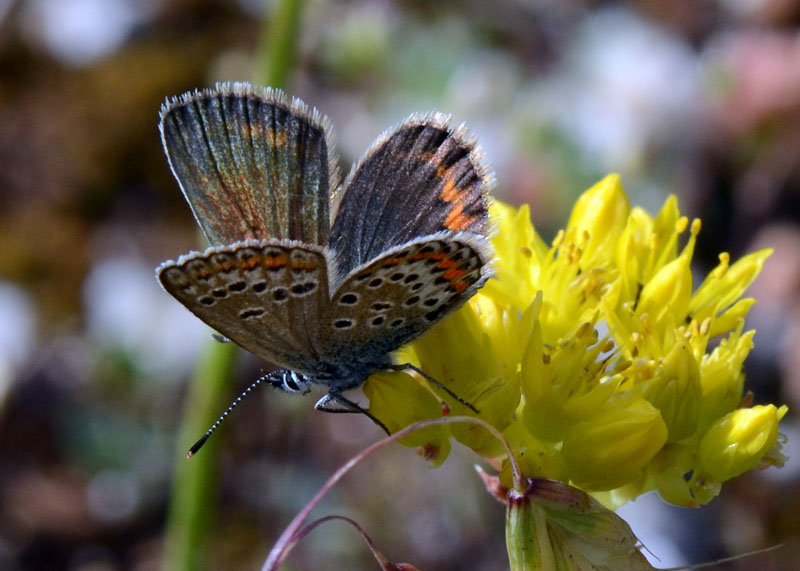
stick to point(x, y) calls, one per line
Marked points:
point(611, 448)
point(675, 391)
point(591, 355)
point(737, 441)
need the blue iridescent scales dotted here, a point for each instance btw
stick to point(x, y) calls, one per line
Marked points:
point(321, 278)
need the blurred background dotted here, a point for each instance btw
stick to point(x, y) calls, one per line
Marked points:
point(700, 98)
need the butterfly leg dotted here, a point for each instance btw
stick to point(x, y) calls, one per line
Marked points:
point(427, 377)
point(347, 406)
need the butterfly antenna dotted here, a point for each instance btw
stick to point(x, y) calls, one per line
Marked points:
point(273, 378)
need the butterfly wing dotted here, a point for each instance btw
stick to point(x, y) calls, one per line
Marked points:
point(251, 163)
point(421, 178)
point(389, 301)
point(266, 296)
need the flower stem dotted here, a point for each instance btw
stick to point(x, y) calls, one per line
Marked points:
point(193, 500)
point(289, 537)
point(277, 43)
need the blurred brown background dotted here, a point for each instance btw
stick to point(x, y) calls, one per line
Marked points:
point(695, 97)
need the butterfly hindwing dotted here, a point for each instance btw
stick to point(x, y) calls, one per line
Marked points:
point(391, 300)
point(422, 178)
point(252, 163)
point(266, 296)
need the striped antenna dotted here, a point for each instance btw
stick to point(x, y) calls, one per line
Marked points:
point(273, 378)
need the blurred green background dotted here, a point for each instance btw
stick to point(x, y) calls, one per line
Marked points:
point(695, 97)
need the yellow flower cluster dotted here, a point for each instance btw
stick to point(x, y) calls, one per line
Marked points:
point(596, 359)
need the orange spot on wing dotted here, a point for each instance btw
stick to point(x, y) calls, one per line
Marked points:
point(273, 137)
point(278, 138)
point(298, 265)
point(249, 264)
point(456, 220)
point(395, 261)
point(276, 261)
point(458, 198)
point(427, 256)
point(453, 274)
point(446, 264)
point(250, 130)
point(449, 191)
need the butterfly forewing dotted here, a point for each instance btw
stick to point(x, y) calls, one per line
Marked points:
point(268, 297)
point(424, 177)
point(388, 302)
point(407, 246)
point(251, 163)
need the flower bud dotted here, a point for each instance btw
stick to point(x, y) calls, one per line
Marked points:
point(737, 442)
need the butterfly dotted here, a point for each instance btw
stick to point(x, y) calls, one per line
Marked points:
point(321, 278)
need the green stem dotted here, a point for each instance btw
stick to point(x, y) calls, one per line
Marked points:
point(194, 489)
point(277, 44)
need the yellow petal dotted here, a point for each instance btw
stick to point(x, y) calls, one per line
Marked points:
point(722, 378)
point(613, 447)
point(675, 391)
point(737, 442)
point(519, 253)
point(724, 285)
point(398, 400)
point(597, 220)
point(665, 298)
point(730, 319)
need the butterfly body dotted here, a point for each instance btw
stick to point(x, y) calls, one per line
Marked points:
point(322, 279)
